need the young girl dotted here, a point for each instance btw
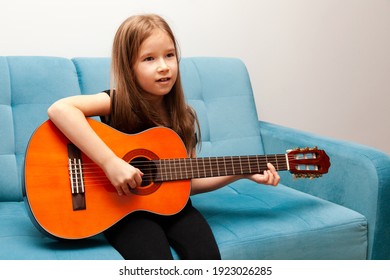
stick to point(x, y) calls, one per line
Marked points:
point(147, 93)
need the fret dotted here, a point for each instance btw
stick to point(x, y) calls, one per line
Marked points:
point(277, 164)
point(224, 163)
point(232, 163)
point(258, 166)
point(192, 169)
point(204, 167)
point(287, 163)
point(229, 169)
point(160, 169)
point(214, 166)
point(185, 167)
point(170, 168)
point(173, 172)
point(180, 169)
point(197, 167)
point(166, 169)
point(249, 164)
point(238, 167)
point(211, 168)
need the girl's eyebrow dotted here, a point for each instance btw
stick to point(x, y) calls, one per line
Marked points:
point(171, 50)
point(147, 54)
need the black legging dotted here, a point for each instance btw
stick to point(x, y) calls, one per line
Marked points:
point(143, 235)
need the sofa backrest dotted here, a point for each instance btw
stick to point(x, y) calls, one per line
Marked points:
point(218, 88)
point(28, 85)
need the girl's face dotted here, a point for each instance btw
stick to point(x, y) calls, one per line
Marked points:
point(156, 65)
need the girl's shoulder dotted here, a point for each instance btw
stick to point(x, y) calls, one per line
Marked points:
point(108, 91)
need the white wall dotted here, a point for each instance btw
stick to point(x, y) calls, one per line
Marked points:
point(318, 65)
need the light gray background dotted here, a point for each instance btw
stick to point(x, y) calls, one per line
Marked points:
point(318, 65)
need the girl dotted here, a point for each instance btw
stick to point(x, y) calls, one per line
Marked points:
point(148, 93)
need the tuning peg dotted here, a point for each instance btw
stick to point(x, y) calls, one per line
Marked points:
point(305, 149)
point(314, 176)
point(299, 176)
point(310, 176)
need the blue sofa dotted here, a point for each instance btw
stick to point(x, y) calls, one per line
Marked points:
point(343, 215)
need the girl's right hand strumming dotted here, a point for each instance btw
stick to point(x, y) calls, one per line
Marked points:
point(122, 175)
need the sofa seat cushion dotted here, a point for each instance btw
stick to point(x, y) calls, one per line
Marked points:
point(249, 222)
point(262, 222)
point(19, 239)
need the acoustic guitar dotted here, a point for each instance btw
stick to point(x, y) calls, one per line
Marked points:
point(69, 197)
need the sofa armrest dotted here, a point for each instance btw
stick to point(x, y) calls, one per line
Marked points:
point(358, 178)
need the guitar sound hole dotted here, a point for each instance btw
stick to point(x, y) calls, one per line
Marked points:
point(147, 167)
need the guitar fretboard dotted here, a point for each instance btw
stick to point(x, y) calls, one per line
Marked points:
point(189, 168)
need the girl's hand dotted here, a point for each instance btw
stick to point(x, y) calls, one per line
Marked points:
point(269, 177)
point(122, 175)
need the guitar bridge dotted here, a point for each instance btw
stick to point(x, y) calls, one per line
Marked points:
point(76, 178)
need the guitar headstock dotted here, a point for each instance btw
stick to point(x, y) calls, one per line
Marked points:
point(308, 162)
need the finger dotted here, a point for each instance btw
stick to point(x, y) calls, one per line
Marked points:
point(119, 189)
point(275, 175)
point(138, 179)
point(126, 189)
point(270, 180)
point(131, 183)
point(265, 177)
point(271, 167)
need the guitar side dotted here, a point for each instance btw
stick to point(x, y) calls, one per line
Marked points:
point(48, 182)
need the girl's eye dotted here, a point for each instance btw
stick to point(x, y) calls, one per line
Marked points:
point(171, 55)
point(149, 58)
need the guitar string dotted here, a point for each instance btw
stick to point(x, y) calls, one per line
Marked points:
point(91, 168)
point(185, 165)
point(91, 180)
point(208, 160)
point(178, 168)
point(188, 163)
point(173, 175)
point(178, 164)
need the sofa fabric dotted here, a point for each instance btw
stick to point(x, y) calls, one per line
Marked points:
point(342, 215)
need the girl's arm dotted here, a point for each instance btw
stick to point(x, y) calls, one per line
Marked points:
point(270, 177)
point(69, 115)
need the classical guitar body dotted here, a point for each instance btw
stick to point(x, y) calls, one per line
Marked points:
point(67, 203)
point(69, 196)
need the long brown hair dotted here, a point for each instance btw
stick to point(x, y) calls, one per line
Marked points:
point(131, 112)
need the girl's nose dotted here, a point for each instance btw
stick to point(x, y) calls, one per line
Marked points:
point(162, 66)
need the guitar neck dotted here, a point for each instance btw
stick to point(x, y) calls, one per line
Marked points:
point(190, 168)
